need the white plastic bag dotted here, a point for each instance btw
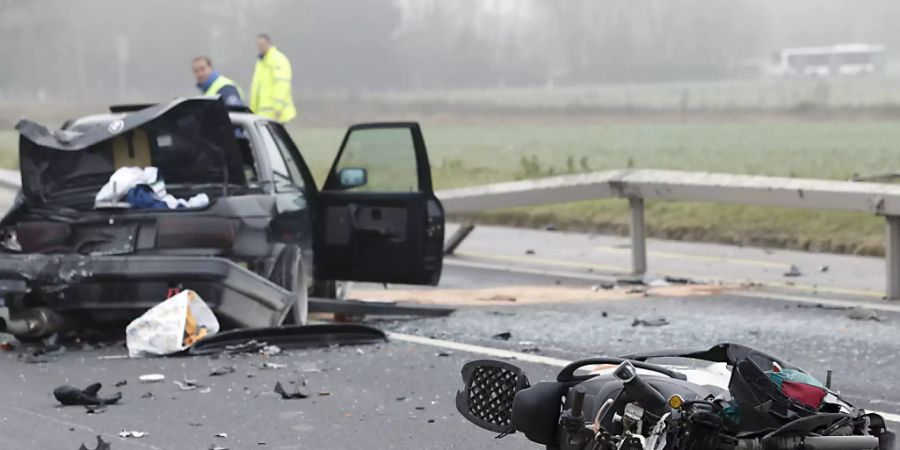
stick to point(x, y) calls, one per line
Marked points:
point(161, 330)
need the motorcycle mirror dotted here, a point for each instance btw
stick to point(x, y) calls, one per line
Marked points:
point(486, 399)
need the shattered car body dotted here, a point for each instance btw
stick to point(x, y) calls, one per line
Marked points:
point(266, 239)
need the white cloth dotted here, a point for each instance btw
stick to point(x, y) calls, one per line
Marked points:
point(122, 181)
point(126, 178)
point(197, 201)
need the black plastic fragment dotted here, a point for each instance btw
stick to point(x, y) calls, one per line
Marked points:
point(69, 396)
point(292, 337)
point(101, 445)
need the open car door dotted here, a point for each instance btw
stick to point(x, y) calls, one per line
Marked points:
point(377, 218)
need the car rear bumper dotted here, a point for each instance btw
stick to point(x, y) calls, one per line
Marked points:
point(128, 285)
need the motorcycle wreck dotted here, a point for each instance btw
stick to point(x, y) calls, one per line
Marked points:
point(726, 397)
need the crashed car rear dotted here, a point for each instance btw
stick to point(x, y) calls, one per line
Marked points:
point(222, 225)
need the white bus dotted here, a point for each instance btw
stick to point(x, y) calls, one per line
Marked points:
point(837, 60)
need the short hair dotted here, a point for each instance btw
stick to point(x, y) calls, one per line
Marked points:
point(264, 36)
point(203, 58)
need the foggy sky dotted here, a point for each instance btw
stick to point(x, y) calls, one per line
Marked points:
point(141, 49)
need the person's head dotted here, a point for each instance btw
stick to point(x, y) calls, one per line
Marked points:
point(202, 68)
point(263, 43)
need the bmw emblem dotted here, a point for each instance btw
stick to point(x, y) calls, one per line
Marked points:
point(115, 126)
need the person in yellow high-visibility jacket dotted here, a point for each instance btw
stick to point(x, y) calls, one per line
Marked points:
point(270, 92)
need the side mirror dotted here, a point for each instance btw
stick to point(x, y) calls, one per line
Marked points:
point(353, 177)
point(486, 398)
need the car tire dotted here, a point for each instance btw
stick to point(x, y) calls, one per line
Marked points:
point(288, 273)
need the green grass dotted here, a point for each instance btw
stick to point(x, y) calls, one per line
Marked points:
point(471, 155)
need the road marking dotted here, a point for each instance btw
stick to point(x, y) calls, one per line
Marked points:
point(525, 270)
point(488, 351)
point(707, 258)
point(527, 357)
point(624, 272)
point(539, 260)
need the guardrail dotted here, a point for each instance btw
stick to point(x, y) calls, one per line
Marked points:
point(638, 185)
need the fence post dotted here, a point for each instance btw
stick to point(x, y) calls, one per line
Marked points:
point(892, 257)
point(638, 236)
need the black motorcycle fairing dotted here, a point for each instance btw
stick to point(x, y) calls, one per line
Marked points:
point(726, 353)
point(603, 387)
point(536, 410)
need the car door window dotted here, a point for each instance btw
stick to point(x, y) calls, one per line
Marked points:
point(285, 148)
point(388, 156)
point(282, 176)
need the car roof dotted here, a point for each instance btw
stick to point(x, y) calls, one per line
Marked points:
point(241, 118)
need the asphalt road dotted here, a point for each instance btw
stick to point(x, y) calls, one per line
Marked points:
point(400, 395)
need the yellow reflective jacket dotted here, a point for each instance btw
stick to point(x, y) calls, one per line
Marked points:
point(270, 92)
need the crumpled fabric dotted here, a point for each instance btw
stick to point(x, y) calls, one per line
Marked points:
point(141, 197)
point(122, 181)
point(141, 188)
point(197, 201)
point(70, 395)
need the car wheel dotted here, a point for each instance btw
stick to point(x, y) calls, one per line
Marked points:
point(288, 273)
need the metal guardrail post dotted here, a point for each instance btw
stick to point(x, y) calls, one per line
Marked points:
point(638, 236)
point(892, 257)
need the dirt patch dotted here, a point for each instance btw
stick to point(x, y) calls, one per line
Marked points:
point(532, 295)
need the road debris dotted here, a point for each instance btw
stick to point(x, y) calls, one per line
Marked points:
point(444, 353)
point(221, 435)
point(152, 378)
point(224, 370)
point(505, 336)
point(187, 385)
point(121, 383)
point(147, 395)
point(678, 280)
point(132, 434)
point(793, 271)
point(823, 268)
point(101, 445)
point(862, 313)
point(289, 395)
point(270, 350)
point(94, 409)
point(604, 286)
point(70, 396)
point(529, 252)
point(660, 322)
point(171, 326)
point(45, 355)
point(271, 366)
point(217, 447)
point(499, 298)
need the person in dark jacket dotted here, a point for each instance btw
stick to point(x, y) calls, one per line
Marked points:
point(211, 83)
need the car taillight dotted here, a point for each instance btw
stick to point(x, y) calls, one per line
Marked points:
point(42, 236)
point(194, 232)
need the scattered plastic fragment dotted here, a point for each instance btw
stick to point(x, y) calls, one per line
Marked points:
point(270, 350)
point(69, 395)
point(502, 336)
point(152, 378)
point(661, 322)
point(224, 370)
point(793, 271)
point(266, 365)
point(132, 434)
point(121, 383)
point(187, 385)
point(221, 435)
point(101, 445)
point(289, 395)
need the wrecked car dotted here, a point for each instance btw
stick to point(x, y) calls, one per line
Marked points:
point(234, 214)
point(726, 397)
